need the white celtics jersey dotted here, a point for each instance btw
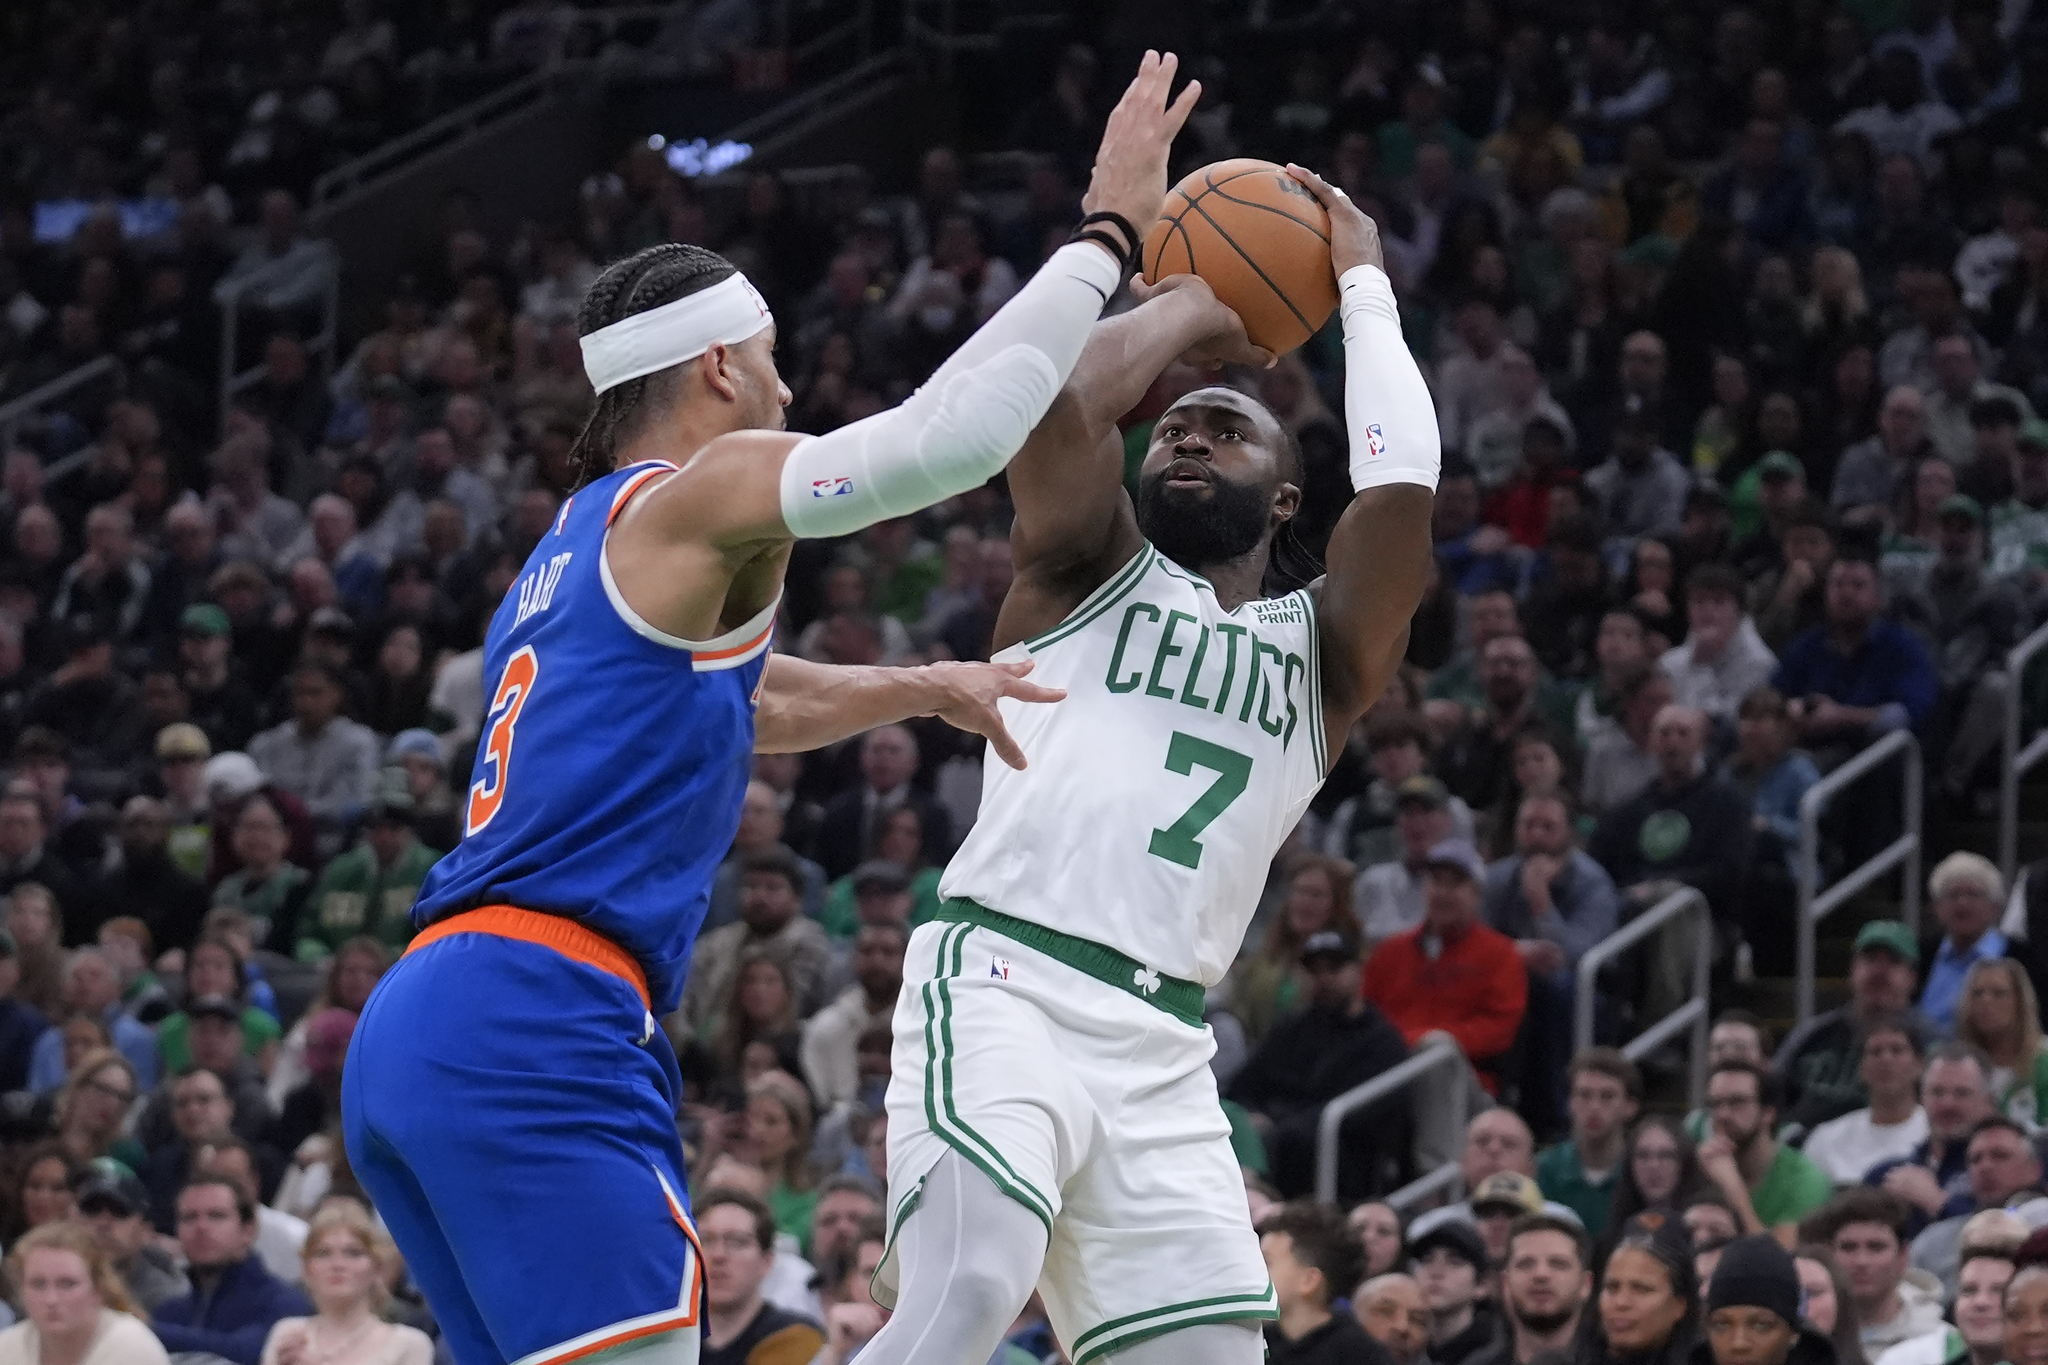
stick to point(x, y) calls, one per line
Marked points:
point(1188, 745)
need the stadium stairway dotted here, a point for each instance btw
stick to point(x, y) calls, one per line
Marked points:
point(1948, 828)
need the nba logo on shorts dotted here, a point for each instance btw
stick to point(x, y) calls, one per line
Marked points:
point(1375, 444)
point(831, 488)
point(999, 968)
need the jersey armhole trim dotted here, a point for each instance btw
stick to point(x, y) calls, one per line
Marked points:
point(1099, 601)
point(737, 647)
point(1315, 685)
point(647, 470)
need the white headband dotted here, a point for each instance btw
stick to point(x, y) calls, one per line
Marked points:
point(724, 315)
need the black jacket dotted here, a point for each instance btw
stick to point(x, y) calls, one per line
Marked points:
point(1591, 1346)
point(149, 886)
point(1340, 1341)
point(232, 1317)
point(1312, 1056)
point(20, 1027)
point(1808, 1348)
point(1480, 1339)
point(1698, 835)
point(839, 849)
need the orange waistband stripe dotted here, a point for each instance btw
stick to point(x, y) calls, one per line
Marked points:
point(571, 938)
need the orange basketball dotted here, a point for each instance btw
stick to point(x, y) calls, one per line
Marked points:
point(1260, 240)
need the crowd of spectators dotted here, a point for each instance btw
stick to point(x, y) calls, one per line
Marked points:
point(1733, 317)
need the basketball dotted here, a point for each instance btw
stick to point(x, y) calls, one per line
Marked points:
point(1260, 240)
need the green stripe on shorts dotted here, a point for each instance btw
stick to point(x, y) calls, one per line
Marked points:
point(938, 1086)
point(1128, 1331)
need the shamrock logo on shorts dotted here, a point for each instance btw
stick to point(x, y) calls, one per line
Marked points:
point(1146, 980)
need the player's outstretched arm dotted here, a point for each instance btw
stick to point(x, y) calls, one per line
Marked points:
point(1074, 524)
point(806, 706)
point(1380, 552)
point(732, 509)
point(966, 422)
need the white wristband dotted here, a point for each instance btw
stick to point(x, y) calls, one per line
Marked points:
point(963, 425)
point(1090, 263)
point(1392, 419)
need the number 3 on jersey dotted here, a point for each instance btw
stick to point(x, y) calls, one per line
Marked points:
point(487, 794)
point(1177, 842)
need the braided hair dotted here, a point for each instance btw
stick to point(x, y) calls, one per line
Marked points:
point(647, 279)
point(1290, 563)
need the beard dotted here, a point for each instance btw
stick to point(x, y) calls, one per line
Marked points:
point(1193, 530)
point(1542, 1324)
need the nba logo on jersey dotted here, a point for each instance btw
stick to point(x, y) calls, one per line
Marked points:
point(1375, 444)
point(831, 488)
point(999, 968)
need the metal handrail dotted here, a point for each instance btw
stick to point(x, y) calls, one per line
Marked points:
point(825, 94)
point(1692, 1015)
point(322, 343)
point(1437, 1055)
point(351, 175)
point(1902, 852)
point(16, 411)
point(2017, 760)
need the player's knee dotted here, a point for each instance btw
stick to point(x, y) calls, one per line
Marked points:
point(989, 1292)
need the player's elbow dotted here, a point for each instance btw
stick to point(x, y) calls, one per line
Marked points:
point(983, 416)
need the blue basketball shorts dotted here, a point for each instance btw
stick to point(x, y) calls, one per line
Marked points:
point(509, 1106)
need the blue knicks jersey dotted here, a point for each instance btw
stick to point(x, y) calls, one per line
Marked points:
point(614, 757)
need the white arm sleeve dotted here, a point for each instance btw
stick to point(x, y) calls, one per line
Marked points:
point(969, 418)
point(1386, 402)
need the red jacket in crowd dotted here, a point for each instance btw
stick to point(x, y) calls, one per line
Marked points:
point(1474, 987)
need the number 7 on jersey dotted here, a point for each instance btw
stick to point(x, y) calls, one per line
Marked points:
point(1184, 753)
point(488, 792)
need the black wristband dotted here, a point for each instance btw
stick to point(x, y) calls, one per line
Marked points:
point(1127, 251)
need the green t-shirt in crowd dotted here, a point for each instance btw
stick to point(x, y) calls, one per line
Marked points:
point(356, 896)
point(1245, 1143)
point(793, 1210)
point(840, 918)
point(174, 1037)
point(903, 593)
point(2023, 1092)
point(270, 903)
point(1561, 1177)
point(1791, 1189)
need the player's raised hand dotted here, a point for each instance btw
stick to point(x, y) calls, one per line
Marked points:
point(1354, 238)
point(1220, 331)
point(1130, 167)
point(968, 693)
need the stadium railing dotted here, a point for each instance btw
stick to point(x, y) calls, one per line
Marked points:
point(1903, 852)
point(458, 124)
point(1690, 1017)
point(2018, 761)
point(585, 30)
point(19, 412)
point(1436, 1056)
point(848, 38)
point(231, 293)
point(833, 100)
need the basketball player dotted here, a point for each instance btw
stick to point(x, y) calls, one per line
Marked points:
point(509, 1102)
point(1052, 1118)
